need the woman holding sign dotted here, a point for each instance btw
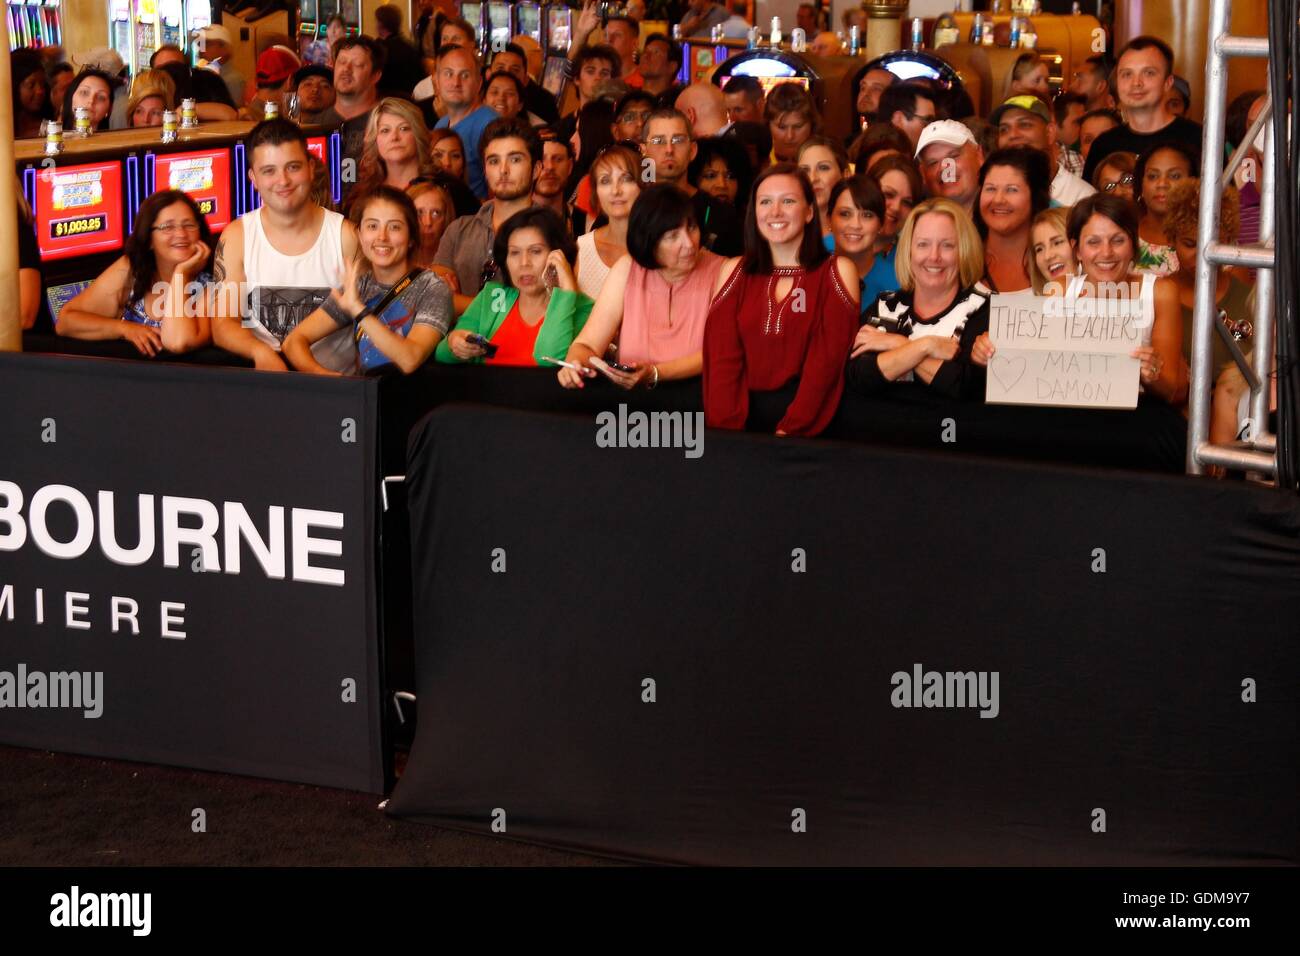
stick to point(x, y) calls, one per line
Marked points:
point(1103, 231)
point(925, 331)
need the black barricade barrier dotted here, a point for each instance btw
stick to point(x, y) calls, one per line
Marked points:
point(237, 633)
point(789, 652)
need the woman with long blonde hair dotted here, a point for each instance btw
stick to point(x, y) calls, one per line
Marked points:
point(396, 148)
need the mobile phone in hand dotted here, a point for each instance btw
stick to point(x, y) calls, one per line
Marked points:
point(475, 339)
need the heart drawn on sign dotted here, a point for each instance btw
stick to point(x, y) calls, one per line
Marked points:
point(1008, 371)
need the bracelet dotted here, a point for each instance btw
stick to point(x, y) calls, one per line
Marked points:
point(655, 370)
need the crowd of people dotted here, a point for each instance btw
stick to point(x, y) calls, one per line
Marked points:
point(642, 231)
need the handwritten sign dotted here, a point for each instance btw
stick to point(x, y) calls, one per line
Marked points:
point(1066, 352)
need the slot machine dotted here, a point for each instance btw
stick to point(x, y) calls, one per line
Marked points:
point(498, 22)
point(136, 28)
point(528, 21)
point(472, 13)
point(34, 23)
point(82, 206)
point(557, 32)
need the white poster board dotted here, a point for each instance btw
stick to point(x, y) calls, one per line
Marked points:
point(1071, 353)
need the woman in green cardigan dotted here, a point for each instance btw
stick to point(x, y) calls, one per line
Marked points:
point(536, 312)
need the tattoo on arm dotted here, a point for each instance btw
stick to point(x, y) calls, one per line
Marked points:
point(219, 261)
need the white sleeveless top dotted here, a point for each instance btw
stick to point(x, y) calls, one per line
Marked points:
point(284, 290)
point(592, 271)
point(1146, 300)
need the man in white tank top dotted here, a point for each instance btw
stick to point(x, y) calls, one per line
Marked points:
point(287, 255)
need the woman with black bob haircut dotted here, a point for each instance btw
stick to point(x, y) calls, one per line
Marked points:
point(722, 169)
point(783, 317)
point(655, 301)
point(536, 310)
point(155, 294)
point(1015, 186)
point(92, 89)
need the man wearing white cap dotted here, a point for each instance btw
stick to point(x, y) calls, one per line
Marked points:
point(217, 47)
point(950, 161)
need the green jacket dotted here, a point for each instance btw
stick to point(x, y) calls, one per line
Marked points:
point(565, 316)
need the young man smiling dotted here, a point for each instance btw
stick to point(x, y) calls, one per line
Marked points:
point(288, 254)
point(1144, 76)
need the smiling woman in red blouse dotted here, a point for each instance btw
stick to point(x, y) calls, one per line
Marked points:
point(784, 315)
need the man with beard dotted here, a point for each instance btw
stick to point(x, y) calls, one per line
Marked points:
point(557, 167)
point(358, 65)
point(511, 157)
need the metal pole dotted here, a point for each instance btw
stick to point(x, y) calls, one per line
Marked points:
point(11, 325)
point(1216, 83)
point(1263, 352)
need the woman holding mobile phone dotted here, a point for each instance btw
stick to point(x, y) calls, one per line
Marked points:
point(536, 311)
point(654, 302)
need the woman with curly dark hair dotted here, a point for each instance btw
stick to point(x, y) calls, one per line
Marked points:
point(154, 295)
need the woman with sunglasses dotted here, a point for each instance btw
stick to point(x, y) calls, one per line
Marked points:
point(154, 295)
point(783, 317)
point(1114, 175)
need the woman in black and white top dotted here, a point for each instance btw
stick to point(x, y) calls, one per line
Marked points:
point(925, 330)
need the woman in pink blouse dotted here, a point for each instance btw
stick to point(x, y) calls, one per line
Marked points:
point(655, 301)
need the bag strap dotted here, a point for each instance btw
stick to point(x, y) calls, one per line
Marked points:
point(398, 288)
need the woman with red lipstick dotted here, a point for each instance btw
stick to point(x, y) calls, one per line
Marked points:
point(783, 317)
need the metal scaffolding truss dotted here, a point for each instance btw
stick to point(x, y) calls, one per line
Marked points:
point(1256, 451)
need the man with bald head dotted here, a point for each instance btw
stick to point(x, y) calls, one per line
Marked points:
point(705, 107)
point(460, 84)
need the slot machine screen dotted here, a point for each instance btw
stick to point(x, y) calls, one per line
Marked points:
point(498, 25)
point(528, 20)
point(559, 21)
point(205, 176)
point(79, 209)
point(473, 12)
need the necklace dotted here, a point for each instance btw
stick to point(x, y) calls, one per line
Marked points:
point(779, 272)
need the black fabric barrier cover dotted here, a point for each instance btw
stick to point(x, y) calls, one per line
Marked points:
point(1121, 736)
point(256, 686)
point(1152, 437)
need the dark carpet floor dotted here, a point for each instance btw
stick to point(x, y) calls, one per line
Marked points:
point(61, 810)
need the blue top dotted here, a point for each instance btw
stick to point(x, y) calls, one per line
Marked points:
point(880, 278)
point(470, 131)
point(135, 311)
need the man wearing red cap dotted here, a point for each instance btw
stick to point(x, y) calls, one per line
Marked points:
point(275, 68)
